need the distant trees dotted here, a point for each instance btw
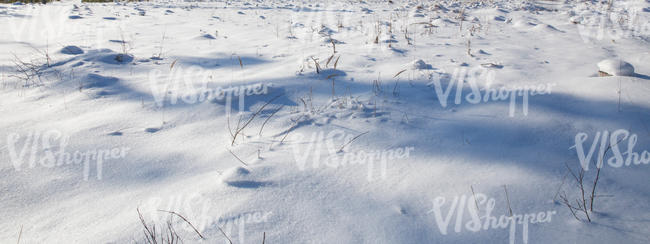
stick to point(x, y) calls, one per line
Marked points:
point(27, 1)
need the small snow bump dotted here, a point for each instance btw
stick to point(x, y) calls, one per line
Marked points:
point(420, 64)
point(617, 67)
point(72, 50)
point(208, 36)
point(152, 130)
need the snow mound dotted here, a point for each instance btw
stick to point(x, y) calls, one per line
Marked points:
point(441, 22)
point(545, 27)
point(615, 67)
point(241, 177)
point(420, 64)
point(207, 36)
point(235, 174)
point(330, 73)
point(72, 50)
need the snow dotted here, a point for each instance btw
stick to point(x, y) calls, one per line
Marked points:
point(457, 114)
point(616, 67)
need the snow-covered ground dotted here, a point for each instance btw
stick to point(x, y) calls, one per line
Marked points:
point(325, 121)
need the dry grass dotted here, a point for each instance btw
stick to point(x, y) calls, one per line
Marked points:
point(152, 236)
point(239, 129)
point(30, 72)
point(168, 235)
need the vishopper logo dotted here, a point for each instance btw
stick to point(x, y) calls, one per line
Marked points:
point(51, 23)
point(477, 94)
point(607, 24)
point(40, 146)
point(197, 208)
point(604, 142)
point(333, 144)
point(40, 23)
point(194, 85)
point(480, 208)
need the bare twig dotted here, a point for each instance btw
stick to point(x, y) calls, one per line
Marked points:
point(234, 155)
point(269, 118)
point(318, 69)
point(474, 195)
point(599, 167)
point(327, 64)
point(186, 221)
point(581, 203)
point(399, 73)
point(341, 149)
point(565, 200)
point(593, 190)
point(336, 62)
point(28, 71)
point(172, 65)
point(560, 187)
point(149, 233)
point(508, 199)
point(291, 128)
point(20, 234)
point(238, 130)
point(224, 234)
